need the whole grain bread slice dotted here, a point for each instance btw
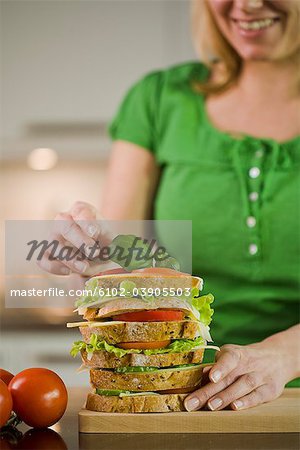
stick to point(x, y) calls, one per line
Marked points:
point(161, 379)
point(136, 404)
point(106, 360)
point(114, 333)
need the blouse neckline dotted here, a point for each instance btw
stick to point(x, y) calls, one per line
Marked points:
point(245, 136)
point(240, 137)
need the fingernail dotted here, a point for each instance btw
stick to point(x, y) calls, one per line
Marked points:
point(192, 403)
point(216, 376)
point(80, 266)
point(92, 230)
point(65, 271)
point(238, 404)
point(215, 403)
point(206, 369)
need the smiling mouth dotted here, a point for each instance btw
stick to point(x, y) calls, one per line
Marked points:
point(258, 24)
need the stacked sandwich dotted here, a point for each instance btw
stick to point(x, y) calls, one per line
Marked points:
point(143, 339)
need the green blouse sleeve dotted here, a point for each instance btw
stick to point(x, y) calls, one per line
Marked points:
point(136, 118)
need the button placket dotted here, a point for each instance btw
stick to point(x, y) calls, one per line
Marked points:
point(254, 189)
point(251, 221)
point(253, 196)
point(253, 249)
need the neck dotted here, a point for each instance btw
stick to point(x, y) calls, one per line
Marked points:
point(266, 77)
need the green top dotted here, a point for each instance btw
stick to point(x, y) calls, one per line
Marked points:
point(241, 194)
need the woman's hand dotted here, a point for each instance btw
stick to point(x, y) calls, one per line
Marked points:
point(78, 230)
point(245, 376)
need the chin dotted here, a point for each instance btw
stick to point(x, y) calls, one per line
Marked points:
point(255, 54)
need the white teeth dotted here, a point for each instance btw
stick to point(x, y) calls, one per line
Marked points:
point(255, 24)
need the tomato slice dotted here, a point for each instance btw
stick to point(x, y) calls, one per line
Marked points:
point(111, 272)
point(158, 315)
point(143, 345)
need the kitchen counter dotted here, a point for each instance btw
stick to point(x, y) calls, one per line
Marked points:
point(69, 438)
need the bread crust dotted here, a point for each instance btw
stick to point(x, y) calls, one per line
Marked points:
point(115, 333)
point(138, 404)
point(146, 381)
point(147, 280)
point(108, 360)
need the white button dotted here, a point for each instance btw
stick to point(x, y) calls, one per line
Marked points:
point(253, 249)
point(253, 196)
point(254, 172)
point(251, 221)
point(259, 153)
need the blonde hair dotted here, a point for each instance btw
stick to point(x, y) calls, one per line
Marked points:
point(213, 47)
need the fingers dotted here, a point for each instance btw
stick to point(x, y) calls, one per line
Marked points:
point(222, 374)
point(78, 237)
point(200, 397)
point(259, 395)
point(228, 359)
point(243, 386)
point(85, 215)
point(66, 227)
point(59, 258)
point(243, 381)
point(55, 267)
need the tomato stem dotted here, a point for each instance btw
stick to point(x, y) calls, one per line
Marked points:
point(14, 420)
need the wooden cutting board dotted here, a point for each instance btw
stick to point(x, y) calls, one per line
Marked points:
point(281, 415)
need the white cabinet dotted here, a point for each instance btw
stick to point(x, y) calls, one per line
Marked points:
point(66, 65)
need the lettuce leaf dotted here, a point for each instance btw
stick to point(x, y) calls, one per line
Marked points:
point(96, 345)
point(137, 369)
point(111, 392)
point(177, 346)
point(169, 263)
point(202, 304)
point(131, 252)
point(91, 293)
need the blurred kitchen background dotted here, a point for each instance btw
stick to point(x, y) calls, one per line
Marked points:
point(65, 65)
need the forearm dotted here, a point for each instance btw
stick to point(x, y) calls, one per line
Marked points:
point(286, 344)
point(130, 184)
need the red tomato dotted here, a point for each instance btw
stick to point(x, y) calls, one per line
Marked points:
point(158, 315)
point(6, 404)
point(144, 345)
point(5, 376)
point(42, 440)
point(39, 397)
point(111, 272)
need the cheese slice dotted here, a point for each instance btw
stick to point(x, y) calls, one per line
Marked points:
point(92, 324)
point(137, 394)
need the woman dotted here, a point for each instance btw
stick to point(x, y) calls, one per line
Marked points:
point(219, 144)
